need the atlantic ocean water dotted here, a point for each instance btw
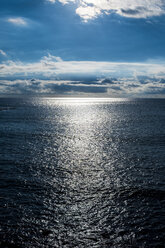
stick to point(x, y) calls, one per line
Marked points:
point(82, 173)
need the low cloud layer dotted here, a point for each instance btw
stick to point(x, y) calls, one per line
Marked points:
point(48, 76)
point(90, 9)
point(123, 87)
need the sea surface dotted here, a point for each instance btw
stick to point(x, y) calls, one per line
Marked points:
point(85, 173)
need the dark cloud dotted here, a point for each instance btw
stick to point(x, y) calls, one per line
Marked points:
point(64, 88)
point(162, 81)
point(133, 86)
point(85, 82)
point(133, 11)
point(156, 91)
point(115, 88)
point(22, 87)
point(148, 80)
point(2, 84)
point(107, 81)
point(38, 87)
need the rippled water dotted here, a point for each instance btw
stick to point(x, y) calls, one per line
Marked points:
point(82, 173)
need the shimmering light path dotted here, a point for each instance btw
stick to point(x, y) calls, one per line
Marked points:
point(82, 173)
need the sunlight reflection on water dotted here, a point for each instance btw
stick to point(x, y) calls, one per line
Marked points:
point(82, 173)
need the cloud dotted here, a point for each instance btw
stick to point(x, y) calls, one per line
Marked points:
point(107, 81)
point(122, 87)
point(80, 88)
point(61, 1)
point(59, 77)
point(48, 87)
point(51, 1)
point(53, 66)
point(88, 12)
point(90, 9)
point(162, 81)
point(19, 21)
point(3, 53)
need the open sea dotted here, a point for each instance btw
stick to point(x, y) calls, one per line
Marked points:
point(84, 173)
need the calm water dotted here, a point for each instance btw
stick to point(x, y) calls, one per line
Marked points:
point(82, 173)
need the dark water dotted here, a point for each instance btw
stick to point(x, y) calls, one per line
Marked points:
point(82, 173)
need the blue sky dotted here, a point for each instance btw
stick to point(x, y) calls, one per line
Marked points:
point(82, 47)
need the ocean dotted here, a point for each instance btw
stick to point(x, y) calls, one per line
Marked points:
point(78, 172)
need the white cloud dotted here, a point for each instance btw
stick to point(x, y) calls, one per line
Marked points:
point(89, 9)
point(17, 21)
point(53, 66)
point(3, 53)
point(49, 58)
point(88, 12)
point(52, 1)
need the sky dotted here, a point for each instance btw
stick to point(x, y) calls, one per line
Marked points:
point(111, 48)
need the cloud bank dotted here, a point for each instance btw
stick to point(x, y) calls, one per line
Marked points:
point(122, 87)
point(48, 76)
point(51, 66)
point(90, 9)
